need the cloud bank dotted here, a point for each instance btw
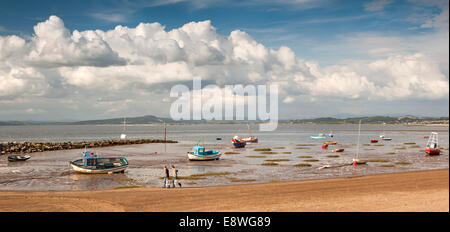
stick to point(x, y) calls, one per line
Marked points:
point(127, 64)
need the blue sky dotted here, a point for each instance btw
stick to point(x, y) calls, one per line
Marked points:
point(336, 42)
point(300, 26)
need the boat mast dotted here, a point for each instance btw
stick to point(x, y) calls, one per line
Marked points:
point(165, 132)
point(359, 134)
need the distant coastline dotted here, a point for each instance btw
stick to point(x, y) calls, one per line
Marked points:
point(150, 119)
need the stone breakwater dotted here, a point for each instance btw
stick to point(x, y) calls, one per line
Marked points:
point(29, 147)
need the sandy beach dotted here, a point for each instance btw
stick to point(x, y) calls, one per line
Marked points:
point(420, 191)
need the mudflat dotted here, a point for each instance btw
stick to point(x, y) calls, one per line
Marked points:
point(419, 191)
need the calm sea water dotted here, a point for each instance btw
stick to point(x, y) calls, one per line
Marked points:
point(50, 170)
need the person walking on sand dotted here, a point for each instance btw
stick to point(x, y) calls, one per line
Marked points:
point(166, 177)
point(175, 177)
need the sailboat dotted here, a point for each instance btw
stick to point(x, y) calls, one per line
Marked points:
point(123, 135)
point(382, 136)
point(250, 138)
point(432, 145)
point(356, 160)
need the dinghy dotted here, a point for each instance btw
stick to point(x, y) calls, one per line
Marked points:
point(432, 145)
point(199, 153)
point(331, 142)
point(91, 163)
point(339, 150)
point(374, 141)
point(14, 158)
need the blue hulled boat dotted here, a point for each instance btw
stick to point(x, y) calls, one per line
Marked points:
point(238, 143)
point(200, 153)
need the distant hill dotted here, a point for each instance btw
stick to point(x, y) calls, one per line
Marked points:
point(149, 119)
point(376, 119)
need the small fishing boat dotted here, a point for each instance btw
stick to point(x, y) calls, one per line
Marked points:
point(324, 146)
point(374, 141)
point(199, 153)
point(432, 145)
point(250, 138)
point(386, 139)
point(339, 150)
point(331, 142)
point(238, 143)
point(218, 138)
point(14, 158)
point(91, 163)
point(320, 136)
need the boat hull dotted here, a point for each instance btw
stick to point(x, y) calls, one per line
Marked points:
point(97, 171)
point(250, 140)
point(15, 158)
point(431, 151)
point(197, 157)
point(318, 137)
point(118, 164)
point(331, 142)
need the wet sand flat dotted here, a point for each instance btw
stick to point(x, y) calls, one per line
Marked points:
point(422, 191)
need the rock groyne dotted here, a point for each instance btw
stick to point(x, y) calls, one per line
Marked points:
point(30, 147)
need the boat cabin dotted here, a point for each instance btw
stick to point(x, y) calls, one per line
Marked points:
point(90, 159)
point(200, 150)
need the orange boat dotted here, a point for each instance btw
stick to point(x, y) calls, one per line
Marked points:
point(331, 142)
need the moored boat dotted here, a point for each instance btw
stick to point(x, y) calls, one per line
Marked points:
point(320, 136)
point(331, 135)
point(324, 146)
point(251, 139)
point(14, 158)
point(356, 159)
point(238, 143)
point(432, 145)
point(374, 140)
point(199, 153)
point(339, 150)
point(331, 142)
point(91, 163)
point(382, 136)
